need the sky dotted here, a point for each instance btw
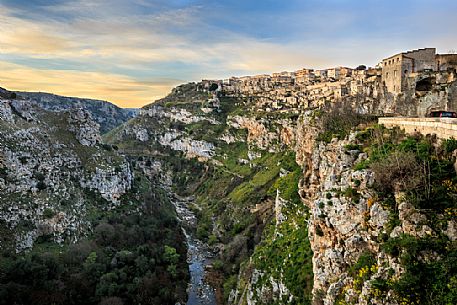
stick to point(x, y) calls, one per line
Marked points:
point(132, 52)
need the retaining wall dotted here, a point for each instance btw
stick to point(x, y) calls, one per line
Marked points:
point(444, 128)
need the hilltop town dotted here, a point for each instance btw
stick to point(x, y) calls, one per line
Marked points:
point(399, 78)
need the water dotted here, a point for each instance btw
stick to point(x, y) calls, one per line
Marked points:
point(198, 257)
point(199, 292)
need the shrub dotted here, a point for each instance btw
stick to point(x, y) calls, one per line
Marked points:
point(48, 213)
point(449, 145)
point(41, 185)
point(349, 147)
point(352, 194)
point(398, 171)
point(213, 87)
point(107, 147)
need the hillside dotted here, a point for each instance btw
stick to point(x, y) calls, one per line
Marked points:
point(106, 114)
point(291, 190)
point(79, 222)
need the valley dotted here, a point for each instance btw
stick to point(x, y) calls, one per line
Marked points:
point(255, 190)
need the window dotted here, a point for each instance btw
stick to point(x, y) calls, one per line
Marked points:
point(395, 73)
point(406, 72)
point(387, 74)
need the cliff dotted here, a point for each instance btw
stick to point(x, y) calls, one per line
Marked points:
point(79, 219)
point(106, 114)
point(301, 196)
point(287, 188)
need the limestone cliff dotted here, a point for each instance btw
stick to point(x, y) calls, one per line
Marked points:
point(49, 166)
point(106, 114)
point(246, 150)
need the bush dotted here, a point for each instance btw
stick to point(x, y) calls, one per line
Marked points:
point(399, 171)
point(213, 87)
point(449, 145)
point(48, 213)
point(338, 120)
point(352, 194)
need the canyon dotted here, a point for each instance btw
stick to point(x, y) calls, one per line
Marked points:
point(298, 194)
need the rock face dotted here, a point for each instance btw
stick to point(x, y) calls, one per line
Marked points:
point(341, 228)
point(106, 114)
point(5, 111)
point(86, 130)
point(348, 222)
point(51, 167)
point(192, 148)
point(233, 132)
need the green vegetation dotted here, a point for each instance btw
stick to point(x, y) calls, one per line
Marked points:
point(422, 169)
point(131, 257)
point(285, 253)
point(338, 120)
point(425, 282)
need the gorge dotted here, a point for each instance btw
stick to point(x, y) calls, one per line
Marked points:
point(271, 190)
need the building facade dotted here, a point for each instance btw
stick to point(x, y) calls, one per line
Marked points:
point(397, 68)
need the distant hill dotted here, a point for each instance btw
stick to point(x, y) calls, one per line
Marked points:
point(104, 113)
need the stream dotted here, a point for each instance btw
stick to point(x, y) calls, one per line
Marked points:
point(198, 256)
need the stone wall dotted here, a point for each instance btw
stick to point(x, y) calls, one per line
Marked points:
point(446, 61)
point(424, 59)
point(444, 128)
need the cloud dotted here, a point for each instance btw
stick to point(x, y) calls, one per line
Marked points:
point(133, 42)
point(124, 91)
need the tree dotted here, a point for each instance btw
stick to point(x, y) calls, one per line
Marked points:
point(104, 234)
point(361, 67)
point(213, 87)
point(170, 255)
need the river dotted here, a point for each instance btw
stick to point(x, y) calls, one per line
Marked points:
point(198, 256)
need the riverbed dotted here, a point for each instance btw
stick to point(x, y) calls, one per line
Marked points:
point(198, 256)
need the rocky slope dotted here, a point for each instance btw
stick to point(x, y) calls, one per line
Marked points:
point(302, 197)
point(247, 155)
point(52, 161)
point(80, 212)
point(106, 114)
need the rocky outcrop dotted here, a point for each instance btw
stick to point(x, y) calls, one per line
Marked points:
point(191, 148)
point(5, 111)
point(50, 176)
point(177, 115)
point(106, 114)
point(86, 130)
point(266, 134)
point(111, 183)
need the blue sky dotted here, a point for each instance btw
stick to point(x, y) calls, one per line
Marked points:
point(133, 52)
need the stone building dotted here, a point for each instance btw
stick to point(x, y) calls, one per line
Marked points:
point(397, 68)
point(304, 76)
point(446, 61)
point(334, 73)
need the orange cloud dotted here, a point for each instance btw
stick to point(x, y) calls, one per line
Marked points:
point(121, 90)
